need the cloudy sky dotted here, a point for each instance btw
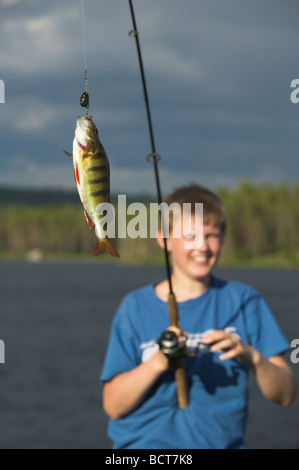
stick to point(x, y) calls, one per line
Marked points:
point(218, 74)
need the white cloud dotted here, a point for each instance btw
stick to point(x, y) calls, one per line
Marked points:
point(30, 115)
point(23, 172)
point(43, 43)
point(167, 60)
point(31, 121)
point(8, 3)
point(218, 85)
point(136, 181)
point(38, 44)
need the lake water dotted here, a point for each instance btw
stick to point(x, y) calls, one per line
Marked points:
point(55, 320)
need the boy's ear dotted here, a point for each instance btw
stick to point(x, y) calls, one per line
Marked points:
point(160, 240)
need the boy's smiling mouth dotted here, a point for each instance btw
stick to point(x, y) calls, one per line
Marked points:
point(200, 258)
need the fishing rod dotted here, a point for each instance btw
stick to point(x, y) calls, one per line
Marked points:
point(154, 157)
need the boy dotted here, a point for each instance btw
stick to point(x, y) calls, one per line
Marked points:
point(230, 318)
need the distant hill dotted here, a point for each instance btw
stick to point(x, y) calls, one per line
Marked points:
point(40, 197)
point(37, 197)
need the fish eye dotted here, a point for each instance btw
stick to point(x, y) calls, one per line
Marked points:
point(95, 131)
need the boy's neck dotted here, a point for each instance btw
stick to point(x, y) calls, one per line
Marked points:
point(184, 289)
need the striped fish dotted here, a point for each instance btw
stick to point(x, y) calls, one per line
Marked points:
point(92, 177)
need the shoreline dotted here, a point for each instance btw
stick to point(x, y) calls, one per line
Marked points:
point(256, 263)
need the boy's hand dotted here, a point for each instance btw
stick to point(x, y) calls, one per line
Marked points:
point(172, 347)
point(180, 333)
point(232, 345)
point(172, 344)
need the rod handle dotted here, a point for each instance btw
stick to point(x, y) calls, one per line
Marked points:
point(180, 373)
point(181, 383)
point(173, 310)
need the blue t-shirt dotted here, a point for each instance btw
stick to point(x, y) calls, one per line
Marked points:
point(217, 412)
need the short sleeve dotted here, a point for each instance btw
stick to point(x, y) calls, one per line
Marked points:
point(122, 351)
point(262, 328)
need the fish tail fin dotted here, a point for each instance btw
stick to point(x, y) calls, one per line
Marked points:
point(104, 245)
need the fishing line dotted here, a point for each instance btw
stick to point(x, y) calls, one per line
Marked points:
point(84, 99)
point(153, 157)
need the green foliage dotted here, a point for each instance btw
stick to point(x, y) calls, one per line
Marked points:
point(263, 227)
point(263, 222)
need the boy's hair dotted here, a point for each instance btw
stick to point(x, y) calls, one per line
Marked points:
point(213, 209)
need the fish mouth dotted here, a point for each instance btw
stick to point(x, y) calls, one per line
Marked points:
point(82, 131)
point(84, 122)
point(80, 134)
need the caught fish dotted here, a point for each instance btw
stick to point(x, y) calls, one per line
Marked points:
point(92, 176)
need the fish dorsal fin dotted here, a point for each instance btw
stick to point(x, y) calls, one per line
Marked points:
point(68, 154)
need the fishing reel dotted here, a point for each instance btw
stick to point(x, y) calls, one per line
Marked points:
point(172, 348)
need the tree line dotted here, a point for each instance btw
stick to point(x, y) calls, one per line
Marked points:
point(263, 226)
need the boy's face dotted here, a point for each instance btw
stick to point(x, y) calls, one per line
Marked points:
point(198, 261)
